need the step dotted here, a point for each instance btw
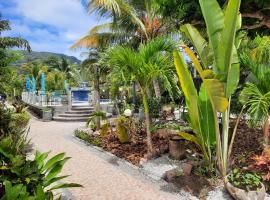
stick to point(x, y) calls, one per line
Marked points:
point(74, 115)
point(82, 108)
point(70, 119)
point(79, 112)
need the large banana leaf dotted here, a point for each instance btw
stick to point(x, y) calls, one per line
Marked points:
point(228, 59)
point(206, 118)
point(214, 87)
point(198, 42)
point(189, 90)
point(214, 18)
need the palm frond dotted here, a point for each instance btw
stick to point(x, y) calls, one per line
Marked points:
point(257, 103)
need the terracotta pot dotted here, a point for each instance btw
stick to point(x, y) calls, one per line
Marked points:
point(177, 147)
point(240, 194)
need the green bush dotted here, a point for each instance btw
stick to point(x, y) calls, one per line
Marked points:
point(87, 138)
point(30, 178)
point(19, 120)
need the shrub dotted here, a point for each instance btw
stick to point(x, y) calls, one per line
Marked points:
point(262, 165)
point(87, 138)
point(36, 178)
point(19, 120)
point(122, 129)
point(104, 129)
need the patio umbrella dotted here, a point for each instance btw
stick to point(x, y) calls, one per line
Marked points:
point(66, 85)
point(28, 84)
point(33, 84)
point(42, 80)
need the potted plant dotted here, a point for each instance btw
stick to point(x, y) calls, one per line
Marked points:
point(245, 185)
point(46, 114)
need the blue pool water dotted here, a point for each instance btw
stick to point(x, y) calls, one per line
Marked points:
point(80, 96)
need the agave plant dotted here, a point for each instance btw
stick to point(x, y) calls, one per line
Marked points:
point(220, 75)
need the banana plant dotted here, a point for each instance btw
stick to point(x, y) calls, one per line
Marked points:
point(220, 74)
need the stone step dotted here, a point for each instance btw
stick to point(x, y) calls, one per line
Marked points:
point(70, 119)
point(82, 108)
point(74, 115)
point(78, 112)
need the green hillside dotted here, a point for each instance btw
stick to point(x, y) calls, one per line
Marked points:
point(41, 56)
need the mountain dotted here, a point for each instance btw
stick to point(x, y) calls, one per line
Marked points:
point(35, 56)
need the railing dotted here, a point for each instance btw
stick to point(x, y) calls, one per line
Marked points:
point(54, 98)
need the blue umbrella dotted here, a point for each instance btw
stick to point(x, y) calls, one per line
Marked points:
point(66, 85)
point(42, 80)
point(28, 84)
point(33, 84)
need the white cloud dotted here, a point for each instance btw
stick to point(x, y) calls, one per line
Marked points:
point(51, 25)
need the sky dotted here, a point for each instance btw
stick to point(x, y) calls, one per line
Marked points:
point(50, 25)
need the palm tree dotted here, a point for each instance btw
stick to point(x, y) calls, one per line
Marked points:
point(134, 22)
point(256, 94)
point(9, 42)
point(95, 71)
point(148, 63)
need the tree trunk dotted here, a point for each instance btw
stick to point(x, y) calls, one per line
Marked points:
point(266, 134)
point(134, 92)
point(97, 96)
point(157, 88)
point(147, 124)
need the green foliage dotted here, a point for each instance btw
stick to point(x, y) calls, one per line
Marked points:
point(91, 122)
point(245, 180)
point(257, 103)
point(219, 81)
point(35, 177)
point(19, 120)
point(122, 129)
point(87, 138)
point(104, 129)
point(154, 106)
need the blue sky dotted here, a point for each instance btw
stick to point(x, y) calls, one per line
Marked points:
point(50, 25)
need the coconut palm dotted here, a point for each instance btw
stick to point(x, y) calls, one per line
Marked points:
point(143, 66)
point(134, 23)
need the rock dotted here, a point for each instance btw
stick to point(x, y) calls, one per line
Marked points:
point(187, 168)
point(143, 161)
point(170, 175)
point(96, 133)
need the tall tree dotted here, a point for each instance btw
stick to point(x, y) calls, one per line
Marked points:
point(255, 14)
point(144, 65)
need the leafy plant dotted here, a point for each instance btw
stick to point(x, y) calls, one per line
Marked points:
point(220, 77)
point(34, 177)
point(262, 165)
point(122, 129)
point(104, 130)
point(97, 115)
point(87, 138)
point(245, 180)
point(256, 94)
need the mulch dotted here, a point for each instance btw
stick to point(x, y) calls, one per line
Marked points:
point(248, 142)
point(136, 149)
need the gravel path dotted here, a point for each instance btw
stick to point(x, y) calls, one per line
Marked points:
point(102, 180)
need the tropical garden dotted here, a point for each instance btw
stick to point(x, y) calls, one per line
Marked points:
point(182, 81)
